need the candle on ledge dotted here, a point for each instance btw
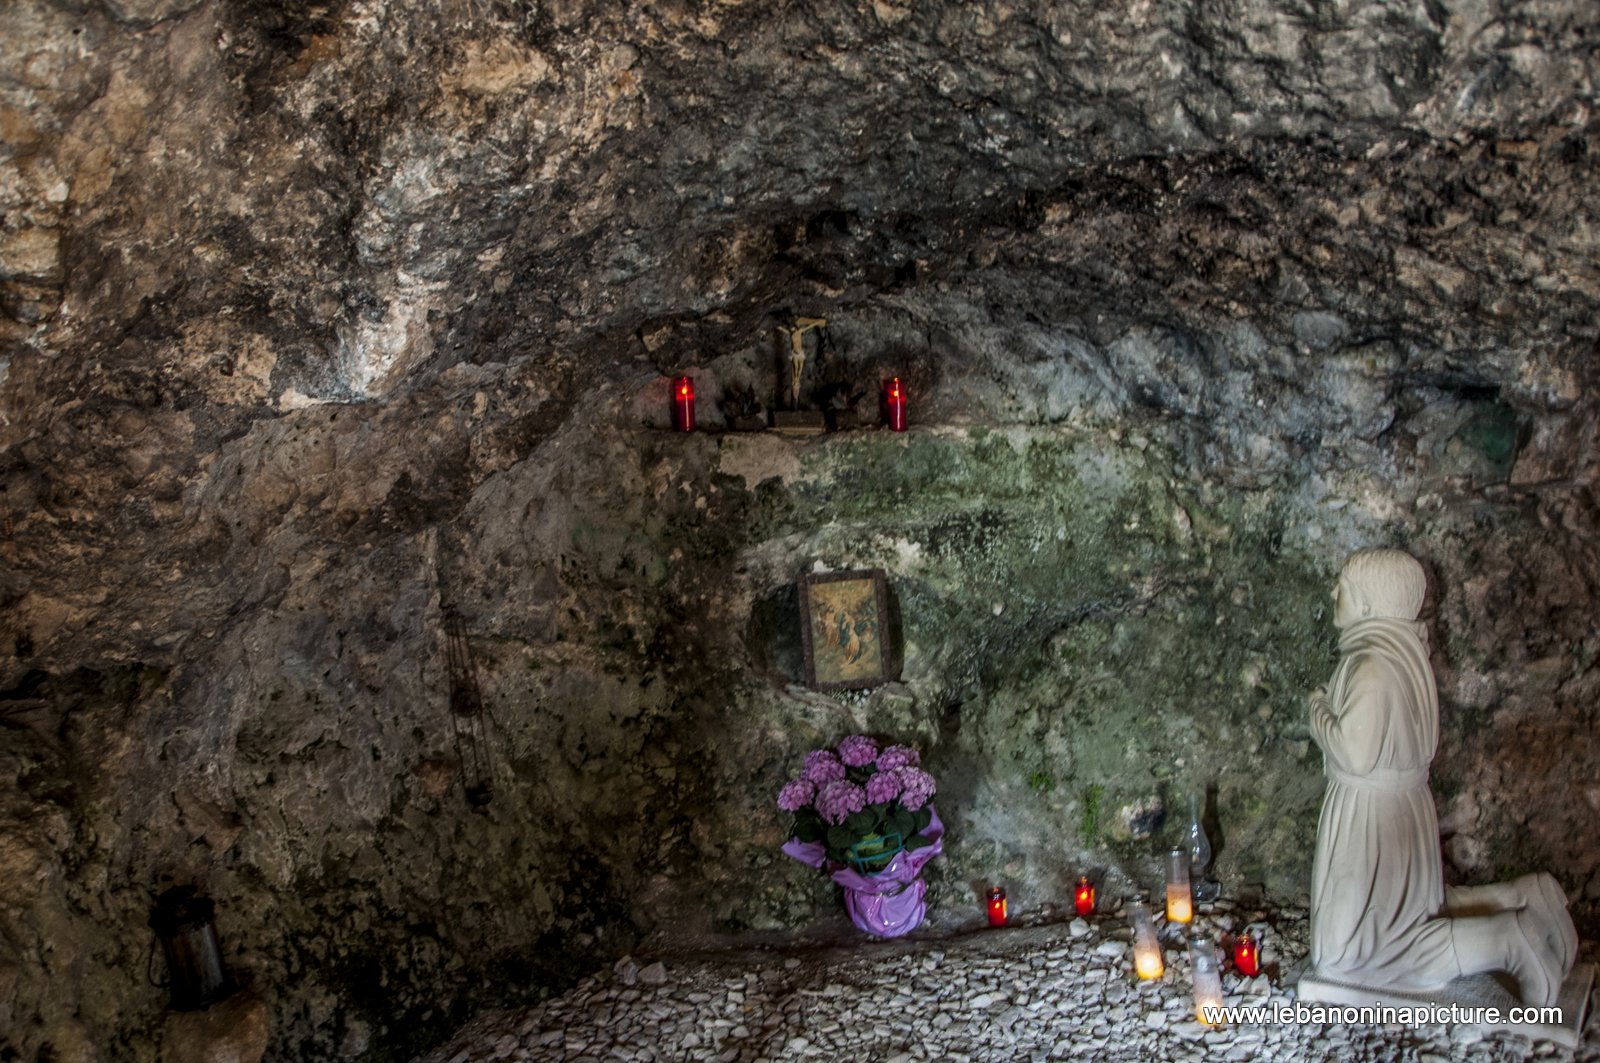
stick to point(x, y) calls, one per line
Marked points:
point(683, 404)
point(1180, 903)
point(894, 398)
point(997, 906)
point(1207, 975)
point(1083, 896)
point(1147, 962)
point(1247, 954)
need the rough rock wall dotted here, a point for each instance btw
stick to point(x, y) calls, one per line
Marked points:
point(319, 318)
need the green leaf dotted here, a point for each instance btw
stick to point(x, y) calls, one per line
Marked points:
point(840, 838)
point(917, 841)
point(924, 817)
point(902, 823)
point(808, 825)
point(808, 828)
point(863, 822)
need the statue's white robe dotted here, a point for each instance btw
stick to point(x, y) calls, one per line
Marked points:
point(1380, 913)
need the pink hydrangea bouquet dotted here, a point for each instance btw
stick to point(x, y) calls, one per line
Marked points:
point(862, 803)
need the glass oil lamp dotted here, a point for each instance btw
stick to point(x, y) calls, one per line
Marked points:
point(1204, 887)
point(1195, 840)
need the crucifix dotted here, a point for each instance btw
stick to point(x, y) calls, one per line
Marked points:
point(797, 352)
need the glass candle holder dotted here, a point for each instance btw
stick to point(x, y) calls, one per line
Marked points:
point(1247, 953)
point(1147, 961)
point(894, 402)
point(683, 404)
point(1207, 974)
point(1083, 896)
point(1180, 902)
point(997, 906)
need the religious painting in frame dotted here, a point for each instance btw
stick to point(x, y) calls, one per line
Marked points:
point(844, 620)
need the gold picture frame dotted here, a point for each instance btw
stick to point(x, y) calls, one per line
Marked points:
point(844, 621)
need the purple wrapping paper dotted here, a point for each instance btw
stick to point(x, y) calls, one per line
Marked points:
point(887, 903)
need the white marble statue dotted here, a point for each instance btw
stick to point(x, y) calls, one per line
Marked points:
point(1381, 915)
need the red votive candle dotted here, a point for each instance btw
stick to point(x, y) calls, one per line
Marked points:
point(1247, 954)
point(683, 404)
point(997, 906)
point(894, 399)
point(1083, 896)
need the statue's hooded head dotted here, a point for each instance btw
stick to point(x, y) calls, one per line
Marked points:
point(1379, 582)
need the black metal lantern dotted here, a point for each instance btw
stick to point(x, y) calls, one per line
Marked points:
point(184, 923)
point(467, 712)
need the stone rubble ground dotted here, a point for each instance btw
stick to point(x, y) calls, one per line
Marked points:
point(1059, 991)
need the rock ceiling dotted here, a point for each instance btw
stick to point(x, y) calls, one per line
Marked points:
point(222, 212)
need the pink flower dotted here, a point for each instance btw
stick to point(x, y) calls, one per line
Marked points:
point(857, 751)
point(822, 767)
point(839, 800)
point(797, 794)
point(883, 787)
point(898, 757)
point(916, 787)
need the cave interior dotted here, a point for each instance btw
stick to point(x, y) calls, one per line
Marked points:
point(337, 350)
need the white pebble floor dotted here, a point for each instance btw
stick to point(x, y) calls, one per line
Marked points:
point(1063, 991)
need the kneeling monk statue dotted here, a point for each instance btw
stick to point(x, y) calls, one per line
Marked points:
point(1381, 916)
